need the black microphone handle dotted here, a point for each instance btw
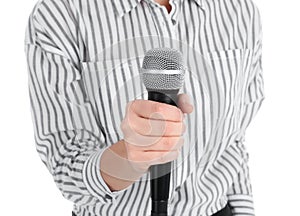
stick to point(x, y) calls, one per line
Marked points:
point(160, 184)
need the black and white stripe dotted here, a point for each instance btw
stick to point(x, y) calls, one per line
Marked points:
point(83, 62)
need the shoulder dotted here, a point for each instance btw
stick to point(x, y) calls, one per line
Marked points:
point(52, 25)
point(243, 17)
point(244, 12)
point(59, 10)
point(246, 8)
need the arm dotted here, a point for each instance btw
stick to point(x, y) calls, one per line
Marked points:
point(68, 139)
point(240, 194)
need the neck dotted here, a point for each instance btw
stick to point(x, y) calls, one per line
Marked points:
point(164, 3)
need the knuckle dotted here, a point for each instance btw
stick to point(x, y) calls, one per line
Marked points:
point(180, 114)
point(132, 106)
point(131, 125)
point(157, 107)
point(131, 122)
point(162, 158)
point(129, 106)
point(179, 143)
point(176, 143)
point(127, 125)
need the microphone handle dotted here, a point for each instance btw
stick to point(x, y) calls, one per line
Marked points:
point(160, 183)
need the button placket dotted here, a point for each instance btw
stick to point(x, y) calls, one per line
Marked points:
point(168, 26)
point(165, 19)
point(171, 18)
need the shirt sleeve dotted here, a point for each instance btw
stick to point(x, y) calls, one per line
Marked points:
point(240, 195)
point(68, 138)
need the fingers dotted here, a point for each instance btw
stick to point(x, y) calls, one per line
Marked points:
point(152, 127)
point(153, 131)
point(155, 110)
point(150, 144)
point(151, 158)
point(184, 103)
point(142, 164)
point(166, 145)
point(164, 158)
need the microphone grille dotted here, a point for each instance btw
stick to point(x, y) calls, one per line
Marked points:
point(163, 59)
point(163, 69)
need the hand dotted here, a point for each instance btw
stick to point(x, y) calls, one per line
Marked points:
point(153, 131)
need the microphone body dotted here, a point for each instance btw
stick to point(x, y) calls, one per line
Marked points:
point(163, 76)
point(160, 184)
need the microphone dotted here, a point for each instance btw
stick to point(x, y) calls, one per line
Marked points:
point(162, 73)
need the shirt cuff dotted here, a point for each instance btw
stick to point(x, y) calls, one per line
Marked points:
point(93, 180)
point(241, 205)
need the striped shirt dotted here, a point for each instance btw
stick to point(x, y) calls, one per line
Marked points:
point(83, 61)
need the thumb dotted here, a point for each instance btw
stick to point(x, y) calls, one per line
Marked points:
point(184, 103)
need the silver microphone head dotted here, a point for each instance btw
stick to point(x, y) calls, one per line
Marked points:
point(163, 69)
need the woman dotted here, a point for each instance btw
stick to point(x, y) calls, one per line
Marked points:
point(88, 107)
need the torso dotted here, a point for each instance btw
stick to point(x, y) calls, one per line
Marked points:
point(110, 49)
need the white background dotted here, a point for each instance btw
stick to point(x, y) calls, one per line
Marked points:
point(272, 139)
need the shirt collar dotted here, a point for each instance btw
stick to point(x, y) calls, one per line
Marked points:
point(124, 6)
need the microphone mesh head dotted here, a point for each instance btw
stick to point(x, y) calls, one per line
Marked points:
point(163, 69)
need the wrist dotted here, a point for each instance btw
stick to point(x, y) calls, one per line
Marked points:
point(115, 166)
